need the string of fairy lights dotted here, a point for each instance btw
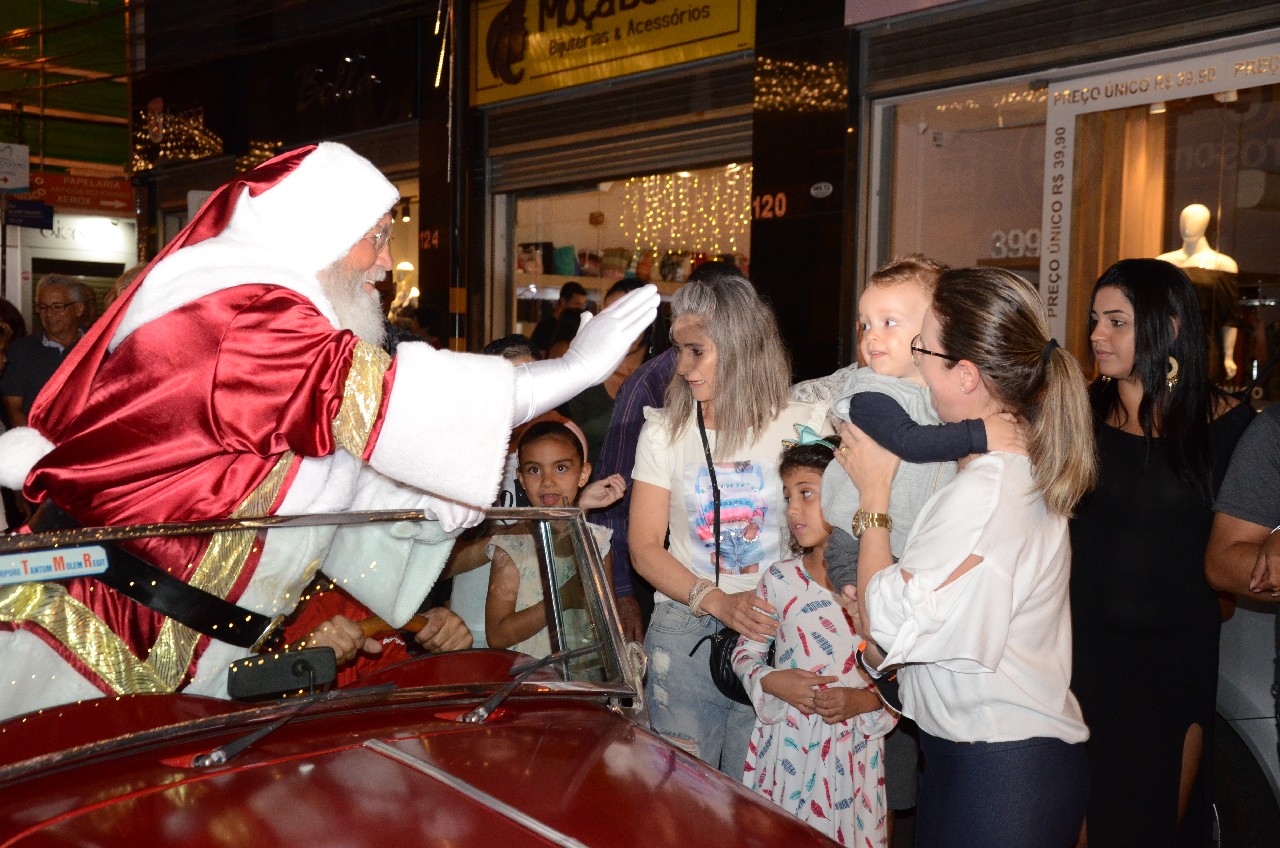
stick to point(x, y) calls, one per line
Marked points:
point(705, 211)
point(784, 85)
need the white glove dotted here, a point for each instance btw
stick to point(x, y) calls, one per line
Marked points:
point(451, 514)
point(593, 355)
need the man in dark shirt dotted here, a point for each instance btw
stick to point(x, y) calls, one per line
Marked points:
point(34, 358)
point(572, 296)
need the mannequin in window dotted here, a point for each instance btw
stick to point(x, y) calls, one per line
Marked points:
point(1196, 255)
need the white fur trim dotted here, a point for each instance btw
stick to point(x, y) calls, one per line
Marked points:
point(20, 450)
point(290, 557)
point(447, 423)
point(314, 216)
point(283, 236)
point(389, 568)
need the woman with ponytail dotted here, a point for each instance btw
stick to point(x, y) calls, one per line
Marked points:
point(1146, 622)
point(975, 612)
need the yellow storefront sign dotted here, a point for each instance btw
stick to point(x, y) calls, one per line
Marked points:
point(523, 47)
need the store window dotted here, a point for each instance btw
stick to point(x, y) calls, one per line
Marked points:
point(1177, 159)
point(656, 228)
point(959, 177)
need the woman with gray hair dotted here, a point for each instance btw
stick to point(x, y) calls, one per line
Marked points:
point(709, 460)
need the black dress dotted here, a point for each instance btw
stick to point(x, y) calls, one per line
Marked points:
point(1145, 661)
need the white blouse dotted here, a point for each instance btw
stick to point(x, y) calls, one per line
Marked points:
point(989, 655)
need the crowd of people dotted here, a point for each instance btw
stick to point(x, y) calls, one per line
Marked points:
point(966, 579)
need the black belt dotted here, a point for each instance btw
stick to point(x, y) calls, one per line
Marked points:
point(159, 590)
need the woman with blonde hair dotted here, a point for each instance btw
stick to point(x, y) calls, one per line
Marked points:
point(976, 610)
point(708, 461)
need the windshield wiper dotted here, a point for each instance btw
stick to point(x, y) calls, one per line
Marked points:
point(522, 672)
point(237, 746)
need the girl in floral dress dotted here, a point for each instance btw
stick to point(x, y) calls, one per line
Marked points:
point(816, 749)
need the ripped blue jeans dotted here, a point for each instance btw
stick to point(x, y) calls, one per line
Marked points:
point(684, 705)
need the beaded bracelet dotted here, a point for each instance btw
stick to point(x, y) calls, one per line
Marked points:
point(701, 588)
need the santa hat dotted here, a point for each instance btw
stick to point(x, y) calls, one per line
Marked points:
point(279, 223)
point(314, 215)
point(283, 236)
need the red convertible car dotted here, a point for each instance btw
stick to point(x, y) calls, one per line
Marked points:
point(543, 746)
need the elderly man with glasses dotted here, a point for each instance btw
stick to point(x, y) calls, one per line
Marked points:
point(34, 358)
point(243, 374)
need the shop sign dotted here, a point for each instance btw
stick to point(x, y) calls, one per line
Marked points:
point(1174, 78)
point(103, 195)
point(15, 167)
point(29, 213)
point(523, 47)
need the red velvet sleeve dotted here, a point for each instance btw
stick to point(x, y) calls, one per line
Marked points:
point(279, 378)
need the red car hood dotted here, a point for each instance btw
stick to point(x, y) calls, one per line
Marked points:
point(397, 771)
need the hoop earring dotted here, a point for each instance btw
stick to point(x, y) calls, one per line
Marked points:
point(1171, 377)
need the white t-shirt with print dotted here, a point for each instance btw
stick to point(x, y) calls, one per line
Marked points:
point(753, 522)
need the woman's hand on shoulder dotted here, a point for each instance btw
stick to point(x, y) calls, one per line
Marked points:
point(745, 612)
point(797, 687)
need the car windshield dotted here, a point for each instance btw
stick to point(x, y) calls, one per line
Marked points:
point(525, 584)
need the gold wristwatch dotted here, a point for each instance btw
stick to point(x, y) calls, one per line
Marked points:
point(862, 520)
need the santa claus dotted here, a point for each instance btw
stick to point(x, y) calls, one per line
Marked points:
point(243, 374)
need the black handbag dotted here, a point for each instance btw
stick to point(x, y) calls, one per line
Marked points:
point(725, 640)
point(723, 643)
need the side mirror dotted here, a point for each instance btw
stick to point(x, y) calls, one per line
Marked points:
point(276, 675)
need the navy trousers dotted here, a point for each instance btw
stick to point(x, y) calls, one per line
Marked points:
point(1025, 794)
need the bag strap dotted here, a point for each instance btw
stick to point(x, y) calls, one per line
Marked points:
point(715, 491)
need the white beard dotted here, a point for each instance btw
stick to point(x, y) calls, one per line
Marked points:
point(357, 311)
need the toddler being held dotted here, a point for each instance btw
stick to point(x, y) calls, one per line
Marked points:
point(888, 401)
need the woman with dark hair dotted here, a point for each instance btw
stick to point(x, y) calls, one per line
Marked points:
point(1145, 664)
point(975, 610)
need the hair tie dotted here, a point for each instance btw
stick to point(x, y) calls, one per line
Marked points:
point(1048, 350)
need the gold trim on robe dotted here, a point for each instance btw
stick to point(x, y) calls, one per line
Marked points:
point(218, 571)
point(103, 652)
point(361, 398)
point(85, 635)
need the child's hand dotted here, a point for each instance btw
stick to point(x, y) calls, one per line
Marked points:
point(795, 686)
point(1005, 433)
point(839, 703)
point(601, 493)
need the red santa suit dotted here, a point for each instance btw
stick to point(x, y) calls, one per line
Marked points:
point(220, 385)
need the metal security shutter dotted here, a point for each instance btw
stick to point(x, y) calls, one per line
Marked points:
point(695, 115)
point(969, 42)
